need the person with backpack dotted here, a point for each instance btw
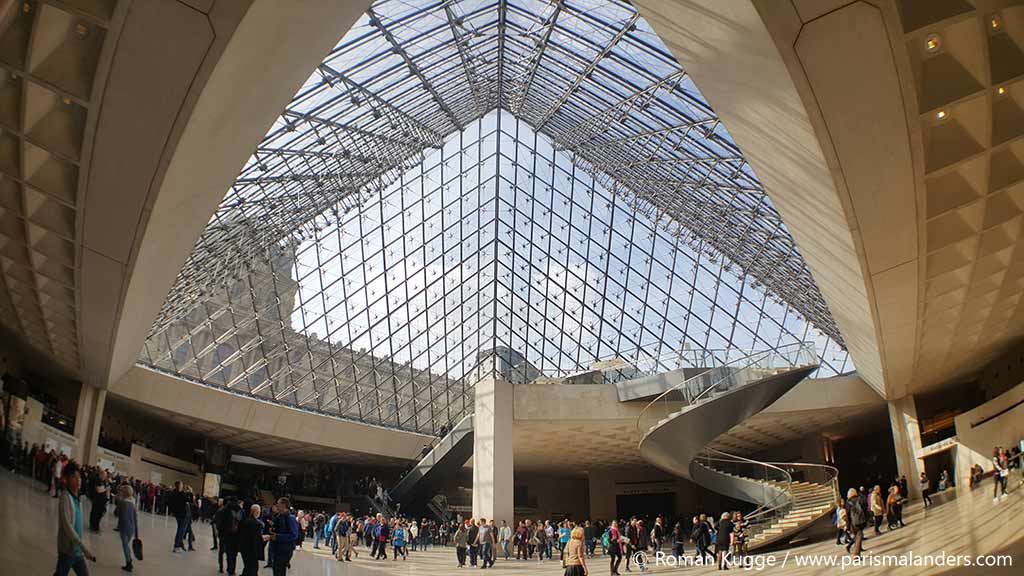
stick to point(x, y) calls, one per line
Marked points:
point(284, 538)
point(701, 536)
point(227, 520)
point(678, 540)
point(858, 520)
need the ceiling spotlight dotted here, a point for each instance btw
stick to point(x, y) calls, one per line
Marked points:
point(941, 115)
point(81, 30)
point(995, 23)
point(1001, 90)
point(932, 43)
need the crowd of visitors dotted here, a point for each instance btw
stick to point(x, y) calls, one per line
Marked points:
point(245, 528)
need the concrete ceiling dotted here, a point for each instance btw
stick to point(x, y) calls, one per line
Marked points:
point(122, 124)
point(572, 428)
point(51, 71)
point(260, 445)
point(890, 134)
point(575, 447)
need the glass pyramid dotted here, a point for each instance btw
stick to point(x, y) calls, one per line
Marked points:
point(463, 177)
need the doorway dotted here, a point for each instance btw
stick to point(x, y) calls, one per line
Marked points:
point(645, 506)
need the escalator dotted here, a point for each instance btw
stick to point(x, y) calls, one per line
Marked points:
point(448, 456)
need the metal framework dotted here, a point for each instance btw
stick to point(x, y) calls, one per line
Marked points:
point(465, 176)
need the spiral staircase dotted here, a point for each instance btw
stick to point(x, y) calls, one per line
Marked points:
point(677, 427)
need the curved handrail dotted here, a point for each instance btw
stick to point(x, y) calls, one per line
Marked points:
point(772, 509)
point(829, 473)
point(743, 363)
point(726, 457)
point(766, 514)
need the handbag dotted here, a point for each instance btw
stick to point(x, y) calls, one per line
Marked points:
point(137, 548)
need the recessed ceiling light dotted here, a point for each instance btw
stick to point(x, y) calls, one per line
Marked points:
point(932, 43)
point(1001, 90)
point(995, 23)
point(941, 114)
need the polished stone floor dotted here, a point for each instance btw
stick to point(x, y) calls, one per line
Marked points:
point(971, 525)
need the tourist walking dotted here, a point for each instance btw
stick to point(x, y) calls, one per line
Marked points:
point(99, 495)
point(701, 535)
point(461, 539)
point(227, 520)
point(877, 507)
point(505, 539)
point(842, 522)
point(614, 547)
point(71, 550)
point(926, 489)
point(678, 540)
point(723, 540)
point(1000, 474)
point(574, 557)
point(858, 520)
point(128, 522)
point(177, 507)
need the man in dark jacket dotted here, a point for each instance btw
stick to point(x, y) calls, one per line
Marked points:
point(250, 540)
point(227, 520)
point(474, 546)
point(178, 507)
point(284, 538)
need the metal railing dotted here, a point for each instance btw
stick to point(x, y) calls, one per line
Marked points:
point(715, 381)
point(774, 483)
point(631, 364)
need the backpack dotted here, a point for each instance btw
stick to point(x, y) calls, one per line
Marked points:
point(857, 515)
point(605, 538)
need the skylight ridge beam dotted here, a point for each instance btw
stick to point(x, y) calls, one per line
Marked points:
point(413, 68)
point(553, 109)
point(502, 30)
point(471, 75)
point(523, 90)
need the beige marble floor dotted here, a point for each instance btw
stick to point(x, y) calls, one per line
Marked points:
point(971, 525)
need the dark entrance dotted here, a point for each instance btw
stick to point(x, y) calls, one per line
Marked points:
point(646, 506)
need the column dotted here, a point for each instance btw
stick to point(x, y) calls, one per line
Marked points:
point(88, 417)
point(906, 439)
point(492, 449)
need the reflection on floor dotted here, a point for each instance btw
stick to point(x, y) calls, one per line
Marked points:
point(971, 525)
